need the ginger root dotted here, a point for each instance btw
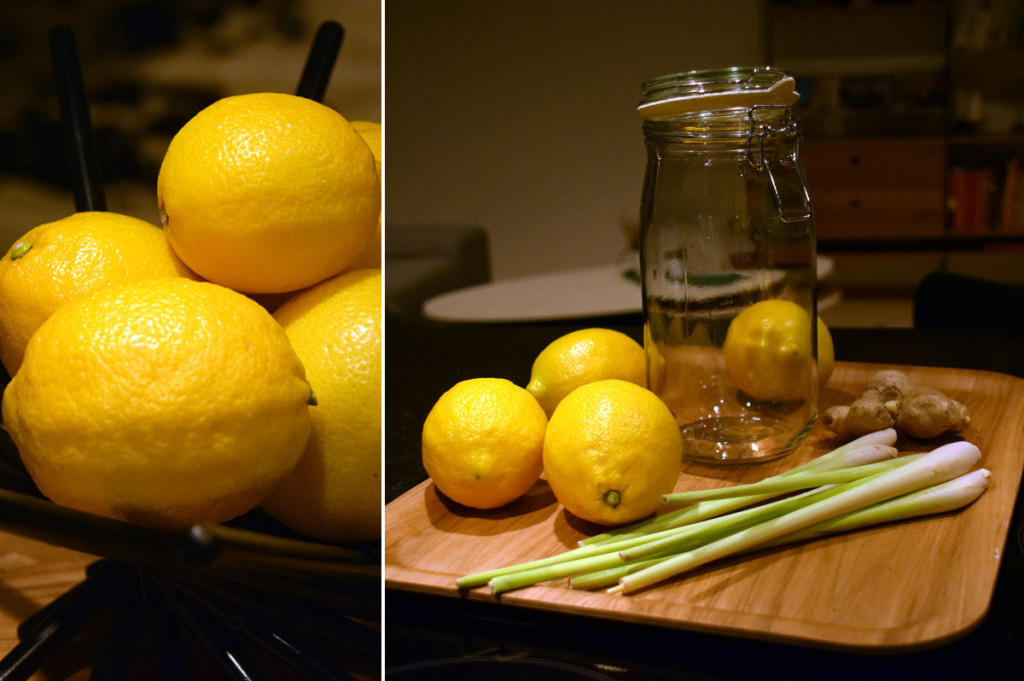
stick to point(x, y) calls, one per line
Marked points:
point(892, 400)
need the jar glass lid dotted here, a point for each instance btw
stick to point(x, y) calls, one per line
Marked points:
point(717, 89)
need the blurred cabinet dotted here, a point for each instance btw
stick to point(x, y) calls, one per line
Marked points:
point(913, 114)
point(872, 188)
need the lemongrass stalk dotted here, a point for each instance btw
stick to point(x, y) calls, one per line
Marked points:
point(590, 551)
point(886, 436)
point(600, 579)
point(612, 554)
point(939, 465)
point(941, 498)
point(864, 450)
point(692, 536)
point(674, 519)
point(947, 496)
point(524, 578)
point(481, 578)
point(789, 483)
point(616, 553)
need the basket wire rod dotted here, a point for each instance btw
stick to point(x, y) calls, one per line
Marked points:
point(52, 626)
point(123, 634)
point(75, 121)
point(219, 638)
point(320, 62)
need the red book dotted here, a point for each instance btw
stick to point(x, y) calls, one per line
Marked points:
point(1008, 218)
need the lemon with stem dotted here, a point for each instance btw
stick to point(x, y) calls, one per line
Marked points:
point(63, 260)
point(611, 450)
point(163, 402)
point(268, 193)
point(583, 356)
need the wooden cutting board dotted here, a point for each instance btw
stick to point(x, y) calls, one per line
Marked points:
point(913, 584)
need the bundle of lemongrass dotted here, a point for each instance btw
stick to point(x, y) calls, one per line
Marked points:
point(864, 482)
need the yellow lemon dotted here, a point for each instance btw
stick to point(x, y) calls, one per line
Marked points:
point(611, 450)
point(583, 356)
point(162, 402)
point(655, 361)
point(371, 255)
point(482, 442)
point(268, 193)
point(371, 133)
point(826, 353)
point(63, 260)
point(768, 352)
point(335, 328)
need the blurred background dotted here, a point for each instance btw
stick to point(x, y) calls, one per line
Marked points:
point(148, 67)
point(515, 124)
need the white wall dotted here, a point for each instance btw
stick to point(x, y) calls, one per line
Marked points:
point(521, 116)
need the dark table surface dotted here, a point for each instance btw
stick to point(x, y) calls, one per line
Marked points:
point(437, 637)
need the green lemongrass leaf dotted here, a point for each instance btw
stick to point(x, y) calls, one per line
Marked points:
point(790, 483)
point(864, 450)
point(939, 465)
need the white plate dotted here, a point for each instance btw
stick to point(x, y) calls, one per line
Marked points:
point(599, 291)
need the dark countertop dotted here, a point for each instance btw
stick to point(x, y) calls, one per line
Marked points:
point(424, 360)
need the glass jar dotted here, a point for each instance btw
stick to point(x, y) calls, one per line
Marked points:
point(726, 227)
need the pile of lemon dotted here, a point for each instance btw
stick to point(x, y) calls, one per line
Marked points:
point(607, 446)
point(227, 360)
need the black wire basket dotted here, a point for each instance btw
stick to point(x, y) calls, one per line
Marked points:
point(248, 599)
point(242, 596)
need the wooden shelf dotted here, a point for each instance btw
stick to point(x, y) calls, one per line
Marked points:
point(987, 54)
point(987, 140)
point(886, 167)
point(779, 10)
point(903, 244)
point(901, 64)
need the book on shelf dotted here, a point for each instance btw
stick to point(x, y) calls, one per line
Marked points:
point(986, 200)
point(988, 24)
point(1011, 217)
